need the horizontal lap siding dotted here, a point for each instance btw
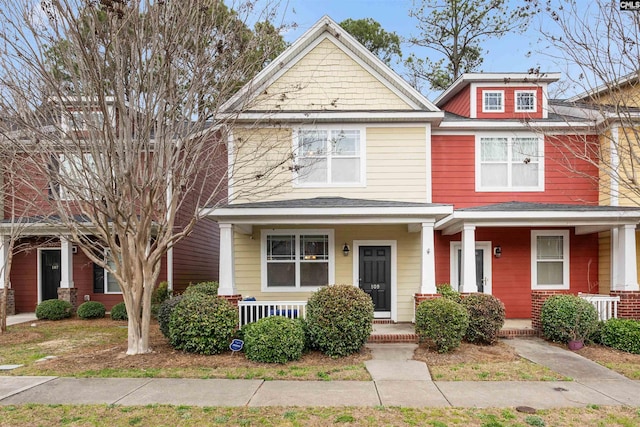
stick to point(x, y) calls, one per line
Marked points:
point(454, 175)
point(24, 280)
point(460, 104)
point(196, 258)
point(511, 273)
point(509, 103)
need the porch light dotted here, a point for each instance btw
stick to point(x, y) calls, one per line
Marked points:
point(346, 250)
point(497, 251)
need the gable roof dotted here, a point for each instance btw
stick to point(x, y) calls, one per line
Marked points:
point(468, 78)
point(328, 28)
point(629, 79)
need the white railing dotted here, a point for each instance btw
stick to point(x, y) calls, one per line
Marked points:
point(252, 311)
point(606, 305)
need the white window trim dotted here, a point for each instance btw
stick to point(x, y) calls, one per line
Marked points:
point(363, 158)
point(510, 136)
point(454, 247)
point(535, 101)
point(105, 278)
point(565, 259)
point(297, 232)
point(484, 106)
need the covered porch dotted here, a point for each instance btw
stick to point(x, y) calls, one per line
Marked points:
point(284, 250)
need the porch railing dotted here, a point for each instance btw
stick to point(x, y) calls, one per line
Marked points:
point(252, 311)
point(606, 305)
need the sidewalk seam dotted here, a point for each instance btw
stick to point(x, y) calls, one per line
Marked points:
point(375, 384)
point(254, 394)
point(442, 393)
point(600, 392)
point(25, 388)
point(132, 391)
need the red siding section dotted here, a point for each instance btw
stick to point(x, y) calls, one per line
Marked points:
point(567, 179)
point(509, 103)
point(460, 104)
point(512, 271)
point(197, 257)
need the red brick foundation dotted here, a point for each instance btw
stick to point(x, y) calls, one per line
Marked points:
point(418, 298)
point(537, 299)
point(70, 295)
point(11, 302)
point(629, 305)
point(233, 299)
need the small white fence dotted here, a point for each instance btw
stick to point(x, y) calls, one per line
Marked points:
point(606, 305)
point(252, 311)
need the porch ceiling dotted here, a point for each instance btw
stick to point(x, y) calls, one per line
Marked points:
point(585, 218)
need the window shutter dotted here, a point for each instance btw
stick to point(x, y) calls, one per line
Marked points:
point(98, 279)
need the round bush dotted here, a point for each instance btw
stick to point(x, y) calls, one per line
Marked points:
point(164, 313)
point(339, 319)
point(274, 339)
point(448, 292)
point(202, 324)
point(119, 312)
point(91, 310)
point(160, 294)
point(443, 321)
point(568, 317)
point(622, 334)
point(486, 317)
point(207, 288)
point(54, 309)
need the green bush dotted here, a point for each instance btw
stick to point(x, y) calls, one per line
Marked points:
point(448, 292)
point(443, 321)
point(339, 319)
point(54, 309)
point(207, 288)
point(119, 312)
point(274, 339)
point(160, 294)
point(486, 317)
point(91, 310)
point(622, 334)
point(202, 324)
point(568, 317)
point(164, 313)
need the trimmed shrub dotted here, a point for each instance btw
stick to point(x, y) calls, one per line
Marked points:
point(568, 317)
point(622, 334)
point(486, 317)
point(164, 313)
point(207, 288)
point(339, 319)
point(448, 292)
point(202, 324)
point(443, 321)
point(54, 309)
point(91, 310)
point(274, 339)
point(119, 312)
point(160, 294)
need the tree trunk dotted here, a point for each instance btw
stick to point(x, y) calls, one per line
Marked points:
point(139, 312)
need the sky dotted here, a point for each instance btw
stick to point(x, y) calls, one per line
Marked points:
point(507, 54)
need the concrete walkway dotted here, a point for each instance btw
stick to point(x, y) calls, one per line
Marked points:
point(21, 318)
point(397, 381)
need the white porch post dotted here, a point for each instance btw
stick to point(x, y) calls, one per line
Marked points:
point(66, 258)
point(428, 272)
point(227, 275)
point(4, 246)
point(469, 283)
point(626, 275)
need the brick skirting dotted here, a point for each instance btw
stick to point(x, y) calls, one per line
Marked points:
point(233, 299)
point(537, 299)
point(629, 305)
point(70, 295)
point(11, 302)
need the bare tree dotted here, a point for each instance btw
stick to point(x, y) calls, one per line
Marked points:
point(128, 129)
point(599, 46)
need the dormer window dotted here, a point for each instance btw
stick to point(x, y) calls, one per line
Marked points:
point(493, 101)
point(85, 120)
point(525, 101)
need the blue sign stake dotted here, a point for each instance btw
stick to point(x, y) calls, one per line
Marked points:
point(236, 345)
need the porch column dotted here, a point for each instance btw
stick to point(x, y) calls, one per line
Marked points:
point(428, 272)
point(469, 283)
point(227, 275)
point(66, 259)
point(4, 246)
point(626, 270)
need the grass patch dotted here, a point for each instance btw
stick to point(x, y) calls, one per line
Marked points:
point(518, 370)
point(163, 415)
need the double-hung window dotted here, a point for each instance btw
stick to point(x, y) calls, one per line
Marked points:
point(85, 120)
point(509, 163)
point(296, 259)
point(550, 259)
point(525, 101)
point(493, 101)
point(329, 157)
point(74, 176)
point(103, 281)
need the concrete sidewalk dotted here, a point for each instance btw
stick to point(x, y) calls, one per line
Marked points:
point(397, 381)
point(21, 318)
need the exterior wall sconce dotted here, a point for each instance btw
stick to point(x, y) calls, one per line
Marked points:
point(346, 250)
point(497, 251)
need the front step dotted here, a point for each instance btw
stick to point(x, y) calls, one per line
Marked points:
point(386, 331)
